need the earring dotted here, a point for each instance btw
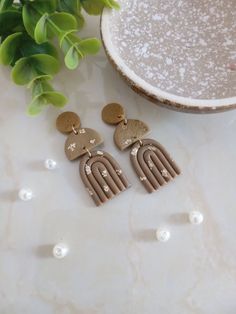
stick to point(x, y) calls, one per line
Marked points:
point(150, 160)
point(100, 173)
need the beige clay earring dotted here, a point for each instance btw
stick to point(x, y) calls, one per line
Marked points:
point(150, 160)
point(100, 173)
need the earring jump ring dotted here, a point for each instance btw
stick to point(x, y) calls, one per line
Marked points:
point(74, 130)
point(88, 151)
point(140, 142)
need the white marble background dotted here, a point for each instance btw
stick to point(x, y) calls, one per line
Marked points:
point(115, 265)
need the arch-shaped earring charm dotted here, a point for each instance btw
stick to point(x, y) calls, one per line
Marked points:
point(100, 173)
point(102, 176)
point(150, 160)
point(153, 164)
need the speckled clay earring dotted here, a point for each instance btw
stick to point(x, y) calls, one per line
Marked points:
point(100, 173)
point(150, 160)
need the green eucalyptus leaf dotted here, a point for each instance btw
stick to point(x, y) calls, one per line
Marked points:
point(5, 4)
point(40, 32)
point(39, 79)
point(24, 71)
point(80, 20)
point(32, 12)
point(9, 48)
point(72, 58)
point(20, 45)
point(9, 20)
point(44, 6)
point(112, 4)
point(30, 47)
point(40, 101)
point(73, 7)
point(55, 98)
point(41, 85)
point(89, 46)
point(45, 64)
point(93, 7)
point(47, 87)
point(43, 77)
point(64, 21)
point(36, 106)
point(30, 18)
point(28, 68)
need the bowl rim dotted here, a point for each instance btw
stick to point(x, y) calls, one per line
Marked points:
point(152, 93)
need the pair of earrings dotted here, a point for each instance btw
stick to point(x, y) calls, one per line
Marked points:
point(100, 173)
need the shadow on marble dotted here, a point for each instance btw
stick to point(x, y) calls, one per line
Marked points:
point(145, 235)
point(138, 188)
point(44, 251)
point(178, 219)
point(9, 196)
point(36, 165)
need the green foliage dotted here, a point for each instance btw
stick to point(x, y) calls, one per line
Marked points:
point(72, 58)
point(5, 4)
point(73, 7)
point(10, 20)
point(32, 12)
point(29, 68)
point(9, 47)
point(89, 46)
point(32, 32)
point(95, 7)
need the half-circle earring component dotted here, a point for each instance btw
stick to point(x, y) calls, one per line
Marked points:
point(150, 160)
point(100, 173)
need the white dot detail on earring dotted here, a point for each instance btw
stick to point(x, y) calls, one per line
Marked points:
point(25, 194)
point(196, 217)
point(163, 234)
point(60, 250)
point(50, 164)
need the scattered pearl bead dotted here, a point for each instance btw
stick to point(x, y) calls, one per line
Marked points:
point(50, 164)
point(60, 250)
point(25, 194)
point(162, 234)
point(196, 217)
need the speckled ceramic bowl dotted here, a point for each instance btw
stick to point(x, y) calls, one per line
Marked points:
point(181, 54)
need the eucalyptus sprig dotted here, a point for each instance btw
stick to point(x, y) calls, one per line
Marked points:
point(32, 32)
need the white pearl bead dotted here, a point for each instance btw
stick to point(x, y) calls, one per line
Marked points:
point(162, 234)
point(50, 164)
point(25, 194)
point(60, 250)
point(196, 217)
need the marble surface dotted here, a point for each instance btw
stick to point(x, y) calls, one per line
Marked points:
point(115, 265)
